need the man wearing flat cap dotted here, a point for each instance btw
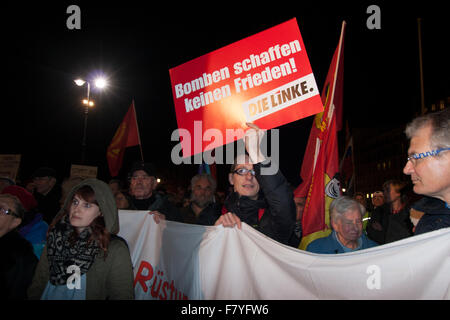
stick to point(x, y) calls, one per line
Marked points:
point(47, 192)
point(142, 178)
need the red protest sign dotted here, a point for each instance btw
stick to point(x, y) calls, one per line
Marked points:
point(265, 79)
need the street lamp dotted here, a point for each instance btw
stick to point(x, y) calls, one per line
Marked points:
point(99, 83)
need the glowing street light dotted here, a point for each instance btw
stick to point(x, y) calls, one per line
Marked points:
point(79, 82)
point(99, 83)
point(89, 103)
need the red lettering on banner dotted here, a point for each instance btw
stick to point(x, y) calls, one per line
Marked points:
point(141, 278)
point(159, 287)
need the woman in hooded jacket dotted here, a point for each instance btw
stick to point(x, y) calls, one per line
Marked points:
point(83, 258)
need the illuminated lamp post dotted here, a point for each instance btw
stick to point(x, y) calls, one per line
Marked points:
point(88, 103)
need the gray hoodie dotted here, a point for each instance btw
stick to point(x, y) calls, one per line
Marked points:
point(105, 199)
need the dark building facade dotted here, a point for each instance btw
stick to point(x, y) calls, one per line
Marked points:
point(380, 153)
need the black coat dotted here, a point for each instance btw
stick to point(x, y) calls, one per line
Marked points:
point(157, 202)
point(17, 265)
point(276, 202)
point(394, 226)
point(207, 217)
point(49, 204)
point(437, 215)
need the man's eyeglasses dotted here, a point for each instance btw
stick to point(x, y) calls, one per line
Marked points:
point(244, 171)
point(422, 155)
point(7, 212)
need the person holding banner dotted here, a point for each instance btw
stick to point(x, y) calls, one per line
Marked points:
point(263, 201)
point(142, 177)
point(346, 216)
point(83, 258)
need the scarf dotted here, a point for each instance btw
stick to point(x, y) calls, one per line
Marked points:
point(63, 252)
point(245, 208)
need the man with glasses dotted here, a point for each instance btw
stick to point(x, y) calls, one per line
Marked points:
point(428, 164)
point(263, 201)
point(142, 178)
point(346, 220)
point(17, 260)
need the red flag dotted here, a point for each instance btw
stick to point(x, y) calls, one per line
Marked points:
point(321, 160)
point(127, 135)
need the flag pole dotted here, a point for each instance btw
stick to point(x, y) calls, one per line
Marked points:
point(422, 96)
point(341, 39)
point(137, 127)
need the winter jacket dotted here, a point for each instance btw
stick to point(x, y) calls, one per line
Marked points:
point(110, 278)
point(34, 229)
point(273, 213)
point(207, 217)
point(331, 245)
point(437, 215)
point(49, 204)
point(394, 226)
point(157, 202)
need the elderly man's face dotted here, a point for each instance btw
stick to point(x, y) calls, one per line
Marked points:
point(202, 193)
point(142, 185)
point(350, 225)
point(431, 175)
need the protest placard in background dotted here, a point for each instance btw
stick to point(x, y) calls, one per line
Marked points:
point(82, 171)
point(9, 165)
point(265, 79)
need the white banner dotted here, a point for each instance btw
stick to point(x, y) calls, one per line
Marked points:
point(181, 261)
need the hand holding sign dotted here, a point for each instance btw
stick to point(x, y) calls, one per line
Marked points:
point(265, 79)
point(252, 139)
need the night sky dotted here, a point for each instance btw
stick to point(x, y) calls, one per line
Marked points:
point(135, 44)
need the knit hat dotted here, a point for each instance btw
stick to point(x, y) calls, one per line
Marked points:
point(149, 168)
point(44, 172)
point(26, 198)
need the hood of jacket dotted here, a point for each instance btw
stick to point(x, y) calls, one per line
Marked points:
point(105, 199)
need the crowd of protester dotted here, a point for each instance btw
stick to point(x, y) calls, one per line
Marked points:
point(45, 227)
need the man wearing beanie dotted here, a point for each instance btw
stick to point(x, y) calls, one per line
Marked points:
point(142, 178)
point(47, 192)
